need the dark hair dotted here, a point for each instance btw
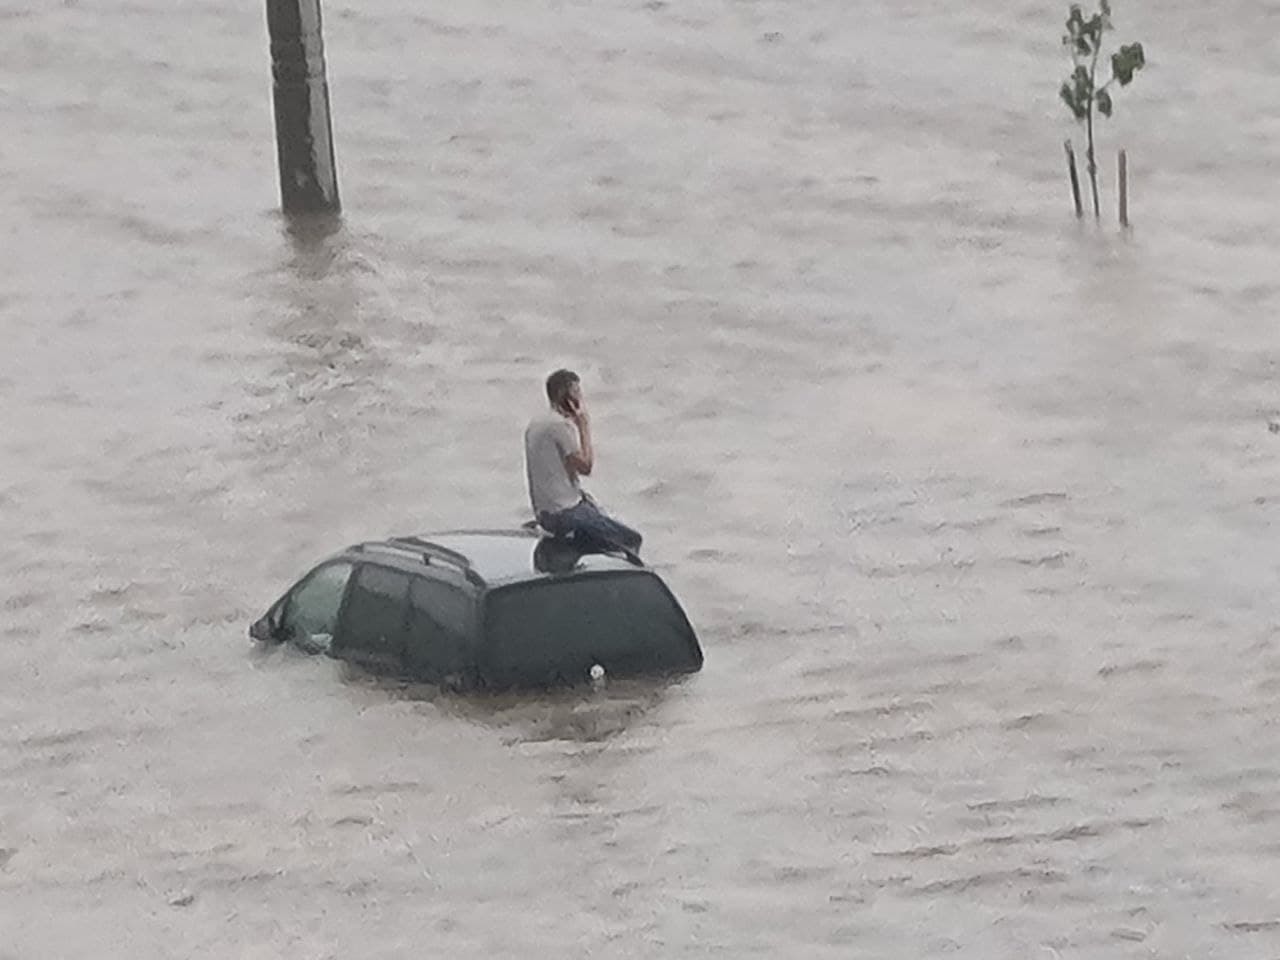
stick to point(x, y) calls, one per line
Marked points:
point(558, 385)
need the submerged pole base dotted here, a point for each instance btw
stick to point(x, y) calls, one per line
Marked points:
point(304, 130)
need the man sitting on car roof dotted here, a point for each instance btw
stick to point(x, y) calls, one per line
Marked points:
point(557, 452)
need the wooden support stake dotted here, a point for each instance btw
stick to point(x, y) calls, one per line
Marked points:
point(1123, 162)
point(1075, 179)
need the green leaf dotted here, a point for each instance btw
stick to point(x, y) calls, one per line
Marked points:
point(1069, 98)
point(1075, 28)
point(1104, 103)
point(1070, 95)
point(1126, 62)
point(1093, 33)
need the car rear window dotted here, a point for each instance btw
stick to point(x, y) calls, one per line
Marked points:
point(554, 631)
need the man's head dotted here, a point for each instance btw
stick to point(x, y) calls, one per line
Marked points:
point(562, 387)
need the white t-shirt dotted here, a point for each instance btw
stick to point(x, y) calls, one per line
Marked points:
point(548, 439)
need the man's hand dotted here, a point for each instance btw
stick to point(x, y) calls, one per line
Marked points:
point(576, 410)
point(582, 462)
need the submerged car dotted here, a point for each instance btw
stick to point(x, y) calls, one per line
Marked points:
point(486, 609)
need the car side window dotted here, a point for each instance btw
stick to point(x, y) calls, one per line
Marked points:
point(375, 621)
point(442, 617)
point(310, 614)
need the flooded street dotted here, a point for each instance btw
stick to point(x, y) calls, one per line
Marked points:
point(973, 506)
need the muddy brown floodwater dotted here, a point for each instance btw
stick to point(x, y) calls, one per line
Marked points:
point(974, 506)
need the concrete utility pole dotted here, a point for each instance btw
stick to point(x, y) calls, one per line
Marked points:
point(304, 133)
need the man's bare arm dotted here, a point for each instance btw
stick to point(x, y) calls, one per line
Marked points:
point(582, 461)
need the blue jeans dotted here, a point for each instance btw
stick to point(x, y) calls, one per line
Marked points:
point(591, 528)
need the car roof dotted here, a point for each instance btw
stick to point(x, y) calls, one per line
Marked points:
point(497, 557)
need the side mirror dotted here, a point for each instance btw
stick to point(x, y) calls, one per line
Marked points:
point(266, 629)
point(262, 630)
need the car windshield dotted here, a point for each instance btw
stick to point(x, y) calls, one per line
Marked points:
point(555, 630)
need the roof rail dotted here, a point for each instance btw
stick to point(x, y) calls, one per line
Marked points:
point(386, 547)
point(434, 552)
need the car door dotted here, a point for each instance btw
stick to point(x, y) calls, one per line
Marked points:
point(309, 612)
point(442, 620)
point(373, 629)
